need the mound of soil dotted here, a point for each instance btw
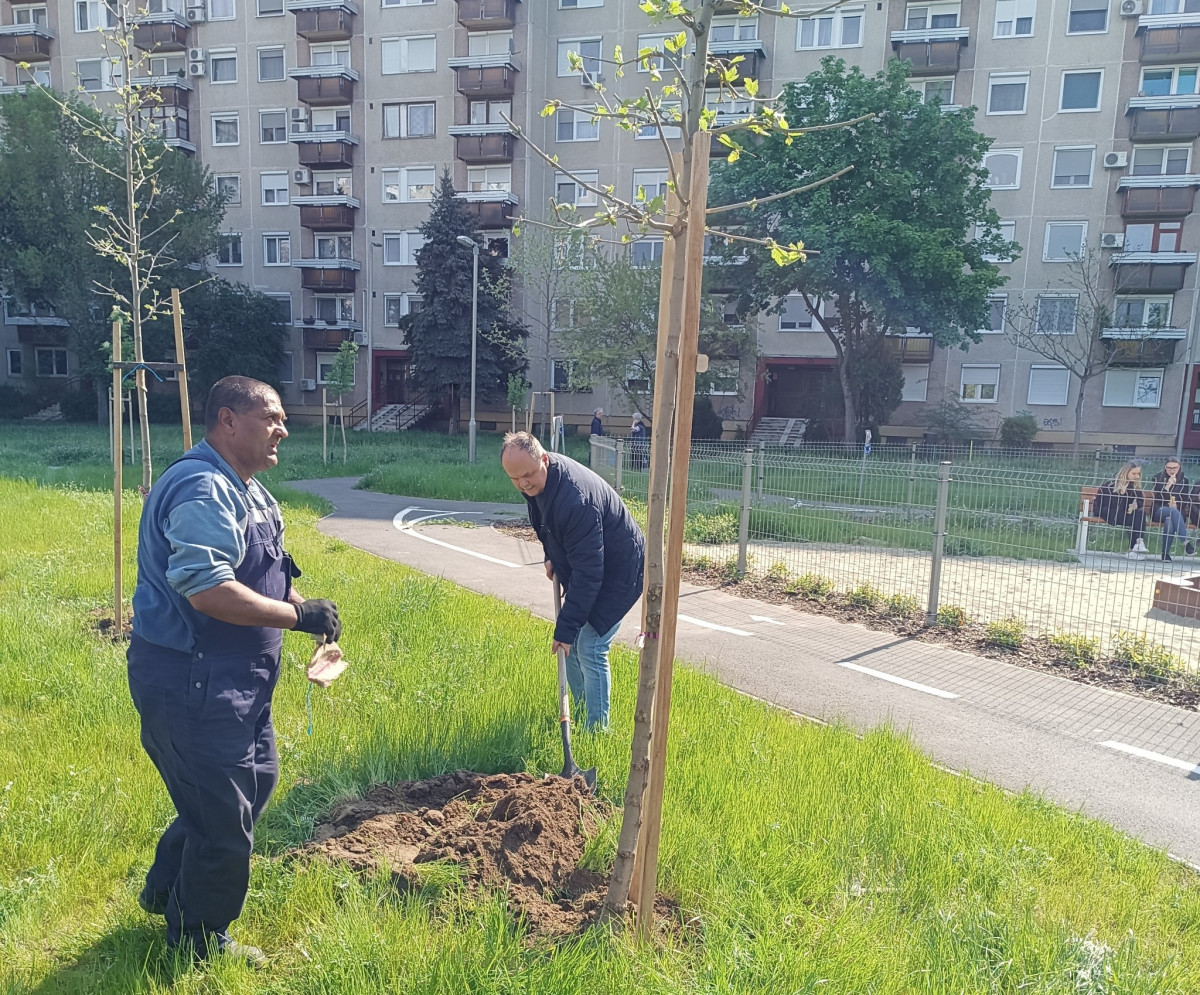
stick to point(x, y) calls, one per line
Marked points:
point(509, 832)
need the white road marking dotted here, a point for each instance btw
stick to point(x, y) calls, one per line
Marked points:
point(407, 528)
point(936, 692)
point(767, 619)
point(713, 625)
point(1137, 751)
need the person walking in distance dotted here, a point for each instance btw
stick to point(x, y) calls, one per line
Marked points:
point(597, 423)
point(593, 547)
point(214, 592)
point(1121, 502)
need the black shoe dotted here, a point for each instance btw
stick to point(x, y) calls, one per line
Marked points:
point(1189, 547)
point(153, 902)
point(1167, 558)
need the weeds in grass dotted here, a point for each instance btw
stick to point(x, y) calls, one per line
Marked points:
point(1079, 651)
point(1008, 633)
point(864, 596)
point(710, 529)
point(903, 605)
point(1143, 656)
point(811, 585)
point(778, 572)
point(951, 617)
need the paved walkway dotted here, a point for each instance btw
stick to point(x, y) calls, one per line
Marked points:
point(1129, 761)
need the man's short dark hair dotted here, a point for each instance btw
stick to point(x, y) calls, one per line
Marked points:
point(239, 394)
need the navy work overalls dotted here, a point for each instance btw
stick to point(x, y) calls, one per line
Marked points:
point(206, 725)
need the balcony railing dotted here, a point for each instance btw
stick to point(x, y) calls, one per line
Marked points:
point(491, 208)
point(325, 149)
point(173, 91)
point(335, 213)
point(324, 336)
point(1168, 202)
point(165, 32)
point(484, 76)
point(1170, 43)
point(329, 275)
point(910, 349)
point(25, 42)
point(324, 20)
point(324, 86)
point(931, 58)
point(1141, 333)
point(485, 148)
point(1155, 124)
point(754, 57)
point(1136, 272)
point(1139, 351)
point(487, 15)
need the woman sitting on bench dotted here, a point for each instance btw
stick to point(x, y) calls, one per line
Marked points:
point(1120, 502)
point(1171, 498)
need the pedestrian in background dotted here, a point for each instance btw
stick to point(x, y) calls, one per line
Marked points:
point(597, 424)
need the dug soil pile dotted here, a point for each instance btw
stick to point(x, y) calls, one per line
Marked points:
point(514, 833)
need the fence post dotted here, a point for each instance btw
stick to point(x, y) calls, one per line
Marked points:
point(744, 525)
point(762, 467)
point(1096, 466)
point(939, 537)
point(593, 460)
point(912, 475)
point(620, 463)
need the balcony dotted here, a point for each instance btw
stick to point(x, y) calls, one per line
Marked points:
point(932, 51)
point(490, 208)
point(42, 334)
point(334, 213)
point(325, 149)
point(328, 335)
point(754, 56)
point(1145, 272)
point(1164, 118)
point(324, 20)
point(25, 42)
point(487, 15)
point(1148, 203)
point(1136, 334)
point(1140, 351)
point(484, 75)
point(1169, 37)
point(910, 348)
point(324, 86)
point(480, 149)
point(172, 90)
point(327, 275)
point(165, 32)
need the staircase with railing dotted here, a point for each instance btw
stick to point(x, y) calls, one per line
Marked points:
point(399, 417)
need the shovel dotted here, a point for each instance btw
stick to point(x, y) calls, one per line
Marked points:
point(564, 709)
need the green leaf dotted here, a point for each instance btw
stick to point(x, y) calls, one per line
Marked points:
point(751, 86)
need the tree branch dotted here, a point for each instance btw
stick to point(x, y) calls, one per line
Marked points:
point(779, 196)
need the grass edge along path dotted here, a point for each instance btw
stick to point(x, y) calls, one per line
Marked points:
point(804, 858)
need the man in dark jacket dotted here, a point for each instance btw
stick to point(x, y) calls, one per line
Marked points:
point(593, 547)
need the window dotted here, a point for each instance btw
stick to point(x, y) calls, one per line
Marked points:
point(1132, 388)
point(222, 67)
point(1004, 168)
point(97, 74)
point(270, 8)
point(588, 49)
point(723, 376)
point(1007, 92)
point(91, 15)
point(396, 306)
point(1168, 81)
point(482, 179)
point(733, 29)
point(225, 129)
point(571, 4)
point(277, 250)
point(796, 316)
point(270, 64)
point(330, 119)
point(229, 186)
point(1056, 314)
point(562, 313)
point(1142, 312)
point(408, 120)
point(407, 186)
point(567, 191)
point(325, 361)
point(283, 307)
point(400, 248)
point(333, 246)
point(1166, 236)
point(916, 382)
point(1159, 160)
point(939, 91)
point(337, 54)
point(652, 61)
point(286, 372)
point(488, 111)
point(489, 42)
point(14, 362)
point(837, 29)
point(412, 54)
point(997, 307)
point(1048, 385)
point(647, 252)
point(573, 251)
point(1008, 232)
point(667, 112)
point(168, 65)
point(1073, 167)
point(651, 183)
point(274, 188)
point(221, 10)
point(37, 72)
point(334, 309)
point(563, 372)
point(1064, 241)
point(919, 17)
point(405, 3)
point(31, 15)
point(1080, 91)
point(1014, 18)
point(333, 184)
point(229, 252)
point(979, 384)
point(272, 127)
point(50, 362)
point(1087, 16)
point(1174, 7)
point(575, 126)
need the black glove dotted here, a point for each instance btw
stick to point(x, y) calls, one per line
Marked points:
point(320, 617)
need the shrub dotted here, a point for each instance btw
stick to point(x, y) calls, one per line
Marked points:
point(1144, 656)
point(1008, 632)
point(811, 586)
point(78, 405)
point(706, 423)
point(16, 403)
point(903, 605)
point(864, 596)
point(1018, 431)
point(778, 571)
point(711, 529)
point(1075, 649)
point(961, 546)
point(951, 617)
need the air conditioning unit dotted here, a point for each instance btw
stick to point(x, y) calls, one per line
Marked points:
point(360, 338)
point(196, 15)
point(1115, 160)
point(299, 114)
point(591, 80)
point(1131, 8)
point(301, 177)
point(308, 385)
point(1112, 240)
point(197, 68)
point(196, 55)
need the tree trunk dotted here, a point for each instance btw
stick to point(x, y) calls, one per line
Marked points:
point(1078, 418)
point(454, 403)
point(850, 430)
point(342, 422)
point(103, 410)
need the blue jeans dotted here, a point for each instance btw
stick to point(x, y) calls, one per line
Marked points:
point(588, 673)
point(1173, 523)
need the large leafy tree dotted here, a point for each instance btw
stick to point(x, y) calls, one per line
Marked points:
point(439, 334)
point(899, 240)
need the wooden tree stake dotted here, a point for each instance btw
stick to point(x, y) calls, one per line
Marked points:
point(185, 405)
point(118, 462)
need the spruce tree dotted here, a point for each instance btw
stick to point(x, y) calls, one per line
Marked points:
point(439, 333)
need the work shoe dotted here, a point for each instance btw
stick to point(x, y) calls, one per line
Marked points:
point(1189, 547)
point(1167, 558)
point(153, 902)
point(242, 953)
point(1139, 547)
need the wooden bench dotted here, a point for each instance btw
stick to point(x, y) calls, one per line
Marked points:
point(1087, 501)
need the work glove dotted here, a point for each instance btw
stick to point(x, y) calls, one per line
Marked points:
point(318, 616)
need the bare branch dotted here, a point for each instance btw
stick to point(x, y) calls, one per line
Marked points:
point(779, 196)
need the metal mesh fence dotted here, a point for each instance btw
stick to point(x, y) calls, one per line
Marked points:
point(997, 537)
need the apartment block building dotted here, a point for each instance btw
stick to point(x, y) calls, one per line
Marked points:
point(327, 122)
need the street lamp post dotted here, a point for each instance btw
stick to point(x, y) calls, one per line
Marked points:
point(466, 241)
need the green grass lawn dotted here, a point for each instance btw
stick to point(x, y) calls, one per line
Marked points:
point(804, 859)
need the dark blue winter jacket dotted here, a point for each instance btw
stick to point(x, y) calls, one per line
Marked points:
point(594, 544)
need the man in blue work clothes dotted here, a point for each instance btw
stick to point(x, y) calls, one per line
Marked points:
point(593, 547)
point(214, 590)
